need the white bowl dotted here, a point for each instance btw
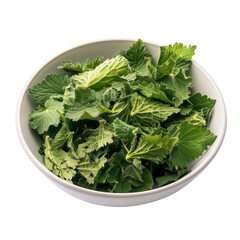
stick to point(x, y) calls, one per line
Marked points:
point(202, 83)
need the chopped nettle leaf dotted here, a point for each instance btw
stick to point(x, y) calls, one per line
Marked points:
point(124, 131)
point(152, 90)
point(41, 118)
point(154, 148)
point(90, 169)
point(150, 112)
point(99, 137)
point(80, 67)
point(53, 86)
point(115, 69)
point(179, 85)
point(192, 141)
point(139, 59)
point(202, 103)
point(174, 57)
point(170, 177)
point(124, 124)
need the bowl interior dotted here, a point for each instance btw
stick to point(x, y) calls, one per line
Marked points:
point(202, 83)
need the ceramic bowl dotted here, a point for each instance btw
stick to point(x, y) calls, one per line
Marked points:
point(202, 83)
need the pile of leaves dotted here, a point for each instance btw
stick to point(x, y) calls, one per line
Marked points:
point(124, 124)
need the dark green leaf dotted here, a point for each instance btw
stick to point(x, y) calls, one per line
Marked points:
point(192, 141)
point(139, 59)
point(171, 177)
point(52, 86)
point(151, 90)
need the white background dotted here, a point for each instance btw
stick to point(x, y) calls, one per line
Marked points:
point(32, 32)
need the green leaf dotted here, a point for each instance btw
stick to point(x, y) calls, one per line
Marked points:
point(61, 137)
point(81, 181)
point(171, 177)
point(90, 169)
point(132, 172)
point(121, 110)
point(178, 50)
point(99, 137)
point(195, 118)
point(115, 170)
point(122, 187)
point(149, 112)
point(139, 59)
point(174, 57)
point(88, 104)
point(111, 94)
point(59, 162)
point(151, 90)
point(154, 148)
point(52, 86)
point(43, 117)
point(179, 84)
point(69, 95)
point(87, 65)
point(147, 182)
point(186, 107)
point(202, 103)
point(101, 176)
point(173, 62)
point(89, 111)
point(115, 69)
point(125, 131)
point(192, 141)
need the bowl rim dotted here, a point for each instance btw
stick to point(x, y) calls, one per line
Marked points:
point(188, 177)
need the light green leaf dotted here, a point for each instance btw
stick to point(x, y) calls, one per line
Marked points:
point(153, 148)
point(59, 162)
point(192, 141)
point(43, 117)
point(69, 95)
point(121, 110)
point(111, 94)
point(90, 169)
point(149, 112)
point(52, 86)
point(87, 65)
point(99, 137)
point(115, 69)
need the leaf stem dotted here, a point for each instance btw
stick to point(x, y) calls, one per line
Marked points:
point(64, 120)
point(125, 146)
